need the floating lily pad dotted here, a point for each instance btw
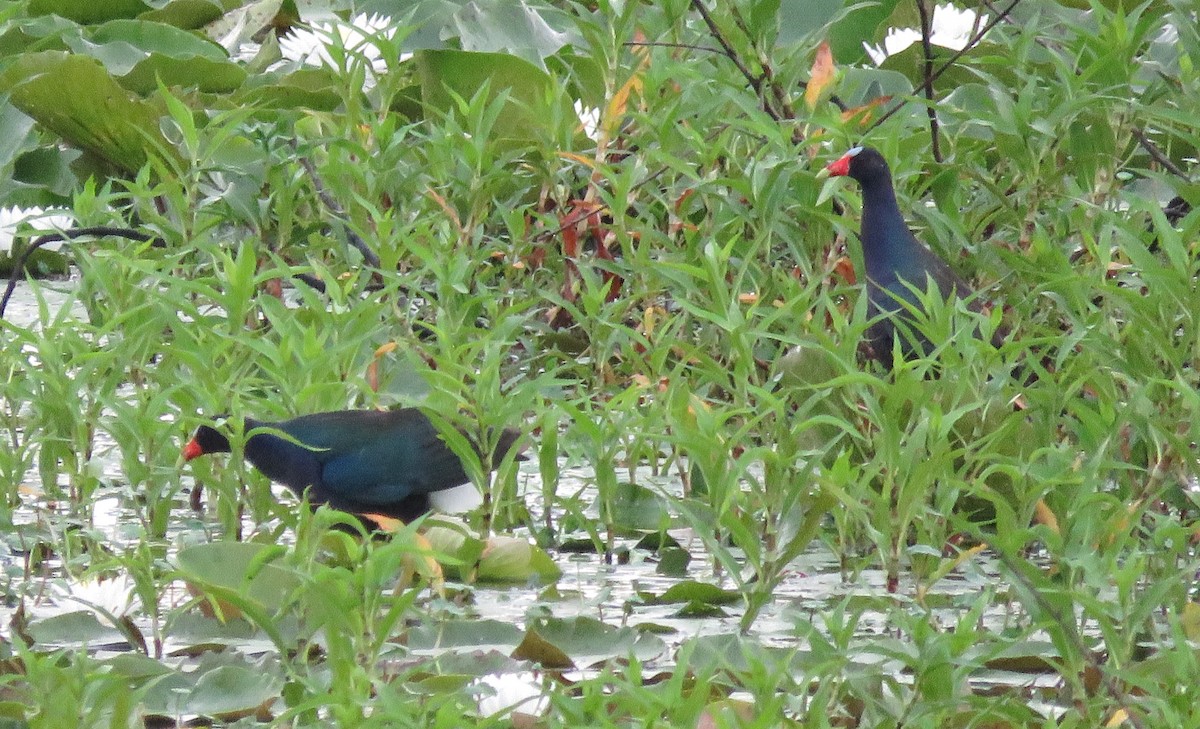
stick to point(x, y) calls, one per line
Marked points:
point(583, 641)
point(693, 591)
point(76, 98)
point(75, 628)
point(220, 568)
point(476, 634)
point(500, 559)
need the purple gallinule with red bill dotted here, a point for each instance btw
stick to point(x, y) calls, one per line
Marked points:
point(359, 461)
point(898, 266)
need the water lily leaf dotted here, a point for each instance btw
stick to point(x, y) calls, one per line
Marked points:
point(137, 665)
point(142, 53)
point(237, 567)
point(184, 72)
point(186, 14)
point(500, 559)
point(457, 550)
point(121, 44)
point(74, 628)
point(88, 12)
point(583, 642)
point(445, 74)
point(673, 562)
point(694, 591)
point(509, 559)
point(697, 609)
point(199, 634)
point(537, 649)
point(637, 508)
point(74, 97)
point(311, 88)
point(479, 635)
point(223, 686)
point(512, 27)
point(1027, 656)
point(737, 654)
point(229, 690)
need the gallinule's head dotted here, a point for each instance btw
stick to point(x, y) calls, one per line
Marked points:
point(206, 440)
point(864, 164)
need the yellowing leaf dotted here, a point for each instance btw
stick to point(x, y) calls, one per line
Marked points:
point(822, 76)
point(1043, 515)
point(1190, 621)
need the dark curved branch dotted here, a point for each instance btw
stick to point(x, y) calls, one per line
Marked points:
point(756, 82)
point(354, 239)
point(927, 69)
point(71, 234)
point(1157, 155)
point(975, 38)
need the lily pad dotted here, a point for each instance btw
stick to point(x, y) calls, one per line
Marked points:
point(501, 559)
point(479, 635)
point(583, 642)
point(75, 97)
point(74, 628)
point(220, 568)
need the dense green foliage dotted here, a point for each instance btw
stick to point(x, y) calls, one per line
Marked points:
point(662, 298)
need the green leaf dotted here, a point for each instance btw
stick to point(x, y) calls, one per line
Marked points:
point(88, 12)
point(445, 75)
point(74, 628)
point(637, 508)
point(511, 559)
point(311, 88)
point(512, 27)
point(799, 19)
point(186, 14)
point(229, 689)
point(236, 566)
point(74, 97)
point(478, 635)
point(693, 591)
point(583, 642)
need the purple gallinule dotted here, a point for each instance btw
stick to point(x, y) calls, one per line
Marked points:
point(896, 262)
point(359, 461)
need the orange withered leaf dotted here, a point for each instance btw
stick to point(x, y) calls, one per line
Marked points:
point(821, 78)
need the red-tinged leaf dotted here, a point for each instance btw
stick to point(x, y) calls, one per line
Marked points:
point(570, 241)
point(844, 268)
point(863, 113)
point(822, 76)
point(273, 287)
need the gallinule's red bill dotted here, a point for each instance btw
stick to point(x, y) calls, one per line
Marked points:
point(360, 461)
point(895, 261)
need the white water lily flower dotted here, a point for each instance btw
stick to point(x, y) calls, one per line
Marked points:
point(45, 221)
point(952, 28)
point(590, 120)
point(506, 692)
point(114, 596)
point(310, 45)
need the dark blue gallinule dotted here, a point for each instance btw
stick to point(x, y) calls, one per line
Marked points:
point(895, 260)
point(360, 461)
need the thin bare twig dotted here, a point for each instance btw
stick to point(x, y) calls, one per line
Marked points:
point(1157, 154)
point(978, 36)
point(368, 255)
point(927, 52)
point(732, 55)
